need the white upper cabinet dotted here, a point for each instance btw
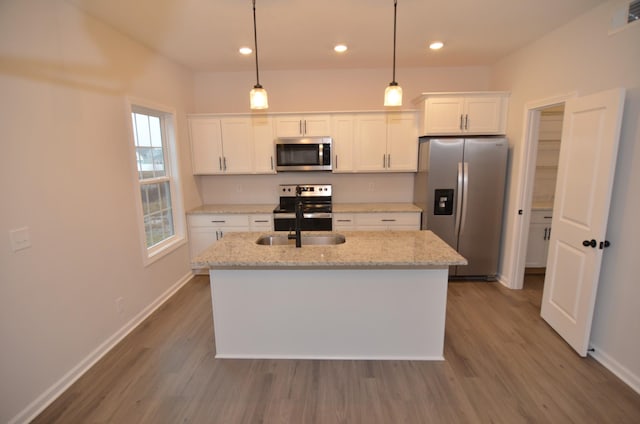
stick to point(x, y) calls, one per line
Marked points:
point(303, 125)
point(386, 142)
point(343, 135)
point(232, 145)
point(206, 145)
point(237, 140)
point(371, 142)
point(473, 113)
point(263, 145)
point(402, 142)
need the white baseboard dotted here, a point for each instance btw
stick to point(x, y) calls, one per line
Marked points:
point(504, 280)
point(52, 393)
point(616, 368)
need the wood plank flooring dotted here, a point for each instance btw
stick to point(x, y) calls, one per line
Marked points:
point(503, 364)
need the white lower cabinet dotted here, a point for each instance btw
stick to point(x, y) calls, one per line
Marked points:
point(376, 221)
point(207, 229)
point(261, 222)
point(539, 236)
point(344, 222)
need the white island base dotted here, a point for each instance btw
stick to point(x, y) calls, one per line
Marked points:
point(390, 314)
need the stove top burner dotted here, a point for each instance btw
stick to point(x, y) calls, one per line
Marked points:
point(315, 198)
point(316, 208)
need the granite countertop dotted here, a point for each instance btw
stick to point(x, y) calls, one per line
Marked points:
point(337, 207)
point(233, 208)
point(540, 205)
point(362, 249)
point(375, 207)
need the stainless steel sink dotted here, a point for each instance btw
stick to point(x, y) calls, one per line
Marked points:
point(307, 239)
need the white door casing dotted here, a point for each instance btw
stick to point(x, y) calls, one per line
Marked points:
point(588, 153)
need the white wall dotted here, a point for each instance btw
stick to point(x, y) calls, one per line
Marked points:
point(327, 90)
point(66, 173)
point(582, 57)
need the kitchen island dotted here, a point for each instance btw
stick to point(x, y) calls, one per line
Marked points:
point(379, 295)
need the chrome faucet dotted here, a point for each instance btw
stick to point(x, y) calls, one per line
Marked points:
point(299, 218)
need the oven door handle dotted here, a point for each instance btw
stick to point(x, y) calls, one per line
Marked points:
point(306, 215)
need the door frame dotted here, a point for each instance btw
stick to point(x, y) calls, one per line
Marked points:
point(525, 181)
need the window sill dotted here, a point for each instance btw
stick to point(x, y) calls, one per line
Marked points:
point(168, 246)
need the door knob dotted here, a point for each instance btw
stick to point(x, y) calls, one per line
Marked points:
point(588, 243)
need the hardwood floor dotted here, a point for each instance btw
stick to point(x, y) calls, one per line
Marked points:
point(503, 365)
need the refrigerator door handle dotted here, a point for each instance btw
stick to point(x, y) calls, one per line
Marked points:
point(459, 200)
point(465, 191)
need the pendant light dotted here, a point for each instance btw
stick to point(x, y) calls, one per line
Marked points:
point(258, 95)
point(393, 93)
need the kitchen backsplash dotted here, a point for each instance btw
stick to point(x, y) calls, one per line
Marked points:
point(347, 188)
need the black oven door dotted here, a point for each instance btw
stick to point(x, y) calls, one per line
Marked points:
point(311, 222)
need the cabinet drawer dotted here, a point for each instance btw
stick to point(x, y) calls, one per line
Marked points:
point(219, 220)
point(389, 219)
point(343, 218)
point(261, 221)
point(542, 216)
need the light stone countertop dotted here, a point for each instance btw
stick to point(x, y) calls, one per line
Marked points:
point(374, 207)
point(233, 208)
point(362, 249)
point(337, 207)
point(542, 205)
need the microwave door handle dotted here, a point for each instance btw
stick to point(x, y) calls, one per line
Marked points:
point(320, 153)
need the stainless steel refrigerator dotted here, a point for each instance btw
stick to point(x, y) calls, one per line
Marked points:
point(460, 187)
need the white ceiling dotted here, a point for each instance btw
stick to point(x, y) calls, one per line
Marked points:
point(205, 35)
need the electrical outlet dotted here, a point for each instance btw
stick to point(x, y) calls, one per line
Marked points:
point(120, 305)
point(20, 238)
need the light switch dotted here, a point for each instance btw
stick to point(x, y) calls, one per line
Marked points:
point(20, 239)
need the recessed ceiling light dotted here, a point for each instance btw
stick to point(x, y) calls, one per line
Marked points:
point(340, 48)
point(245, 50)
point(436, 45)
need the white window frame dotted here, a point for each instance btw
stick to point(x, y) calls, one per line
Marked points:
point(167, 117)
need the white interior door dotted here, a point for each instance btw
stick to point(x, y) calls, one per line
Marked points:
point(588, 151)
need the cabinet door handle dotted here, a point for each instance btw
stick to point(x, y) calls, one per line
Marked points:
point(461, 122)
point(300, 127)
point(388, 220)
point(261, 220)
point(343, 220)
point(220, 162)
point(272, 163)
point(305, 127)
point(219, 222)
point(545, 234)
point(224, 162)
point(336, 161)
point(549, 233)
point(548, 217)
point(466, 122)
point(384, 161)
point(389, 160)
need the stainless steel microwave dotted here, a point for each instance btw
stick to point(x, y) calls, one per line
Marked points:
point(303, 154)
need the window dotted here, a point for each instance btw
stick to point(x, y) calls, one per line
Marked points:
point(153, 141)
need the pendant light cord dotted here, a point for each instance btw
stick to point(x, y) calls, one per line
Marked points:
point(255, 43)
point(395, 11)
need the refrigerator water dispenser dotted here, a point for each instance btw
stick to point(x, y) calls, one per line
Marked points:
point(443, 201)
